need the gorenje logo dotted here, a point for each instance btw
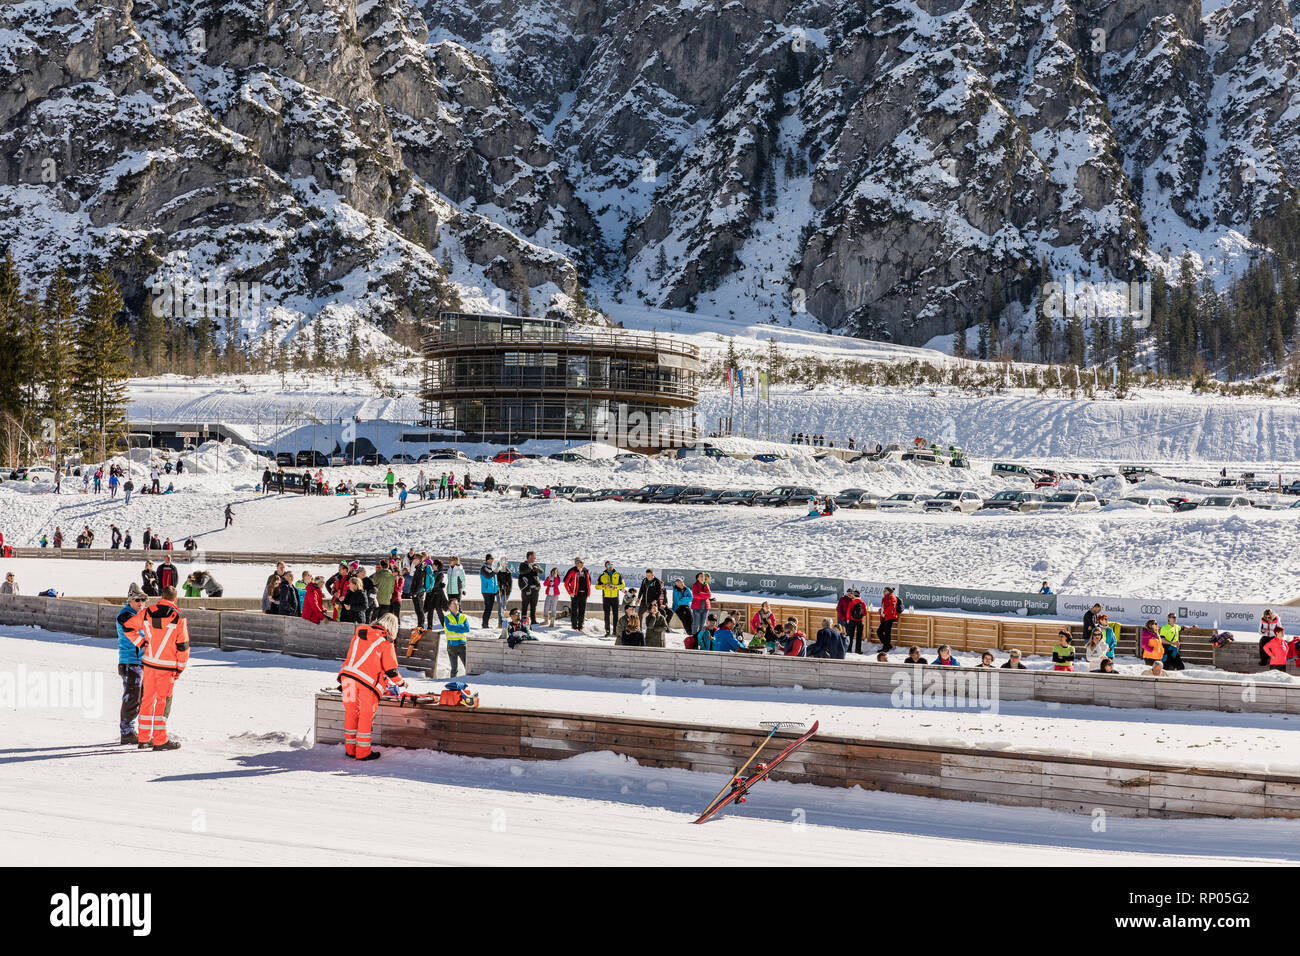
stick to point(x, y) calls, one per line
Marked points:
point(77, 909)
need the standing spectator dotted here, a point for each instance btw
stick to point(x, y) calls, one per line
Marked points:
point(115, 537)
point(288, 600)
point(1266, 624)
point(842, 611)
point(1044, 589)
point(651, 593)
point(389, 480)
point(487, 583)
point(126, 540)
point(701, 599)
point(505, 584)
point(337, 588)
point(167, 573)
point(889, 613)
point(10, 585)
point(1149, 644)
point(354, 602)
point(155, 478)
point(681, 605)
point(1276, 649)
point(127, 488)
point(1169, 634)
point(530, 586)
point(455, 579)
point(421, 572)
point(58, 537)
point(457, 630)
point(112, 485)
point(577, 582)
point(130, 664)
point(1090, 619)
point(857, 621)
point(385, 584)
point(552, 586)
point(313, 601)
point(610, 584)
point(436, 600)
point(149, 580)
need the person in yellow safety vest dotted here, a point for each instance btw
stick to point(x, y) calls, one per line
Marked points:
point(1169, 638)
point(610, 584)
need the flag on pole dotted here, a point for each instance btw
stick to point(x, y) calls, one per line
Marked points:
point(762, 385)
point(731, 385)
point(740, 373)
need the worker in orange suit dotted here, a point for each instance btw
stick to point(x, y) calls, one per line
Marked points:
point(165, 640)
point(370, 667)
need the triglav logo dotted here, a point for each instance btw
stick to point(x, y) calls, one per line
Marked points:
point(1092, 300)
point(214, 300)
point(943, 689)
point(76, 909)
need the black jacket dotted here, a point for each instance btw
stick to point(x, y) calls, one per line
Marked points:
point(650, 594)
point(149, 580)
point(530, 577)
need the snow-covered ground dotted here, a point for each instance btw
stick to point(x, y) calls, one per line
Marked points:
point(248, 786)
point(1241, 556)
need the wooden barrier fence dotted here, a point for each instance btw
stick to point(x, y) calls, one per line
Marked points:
point(1013, 778)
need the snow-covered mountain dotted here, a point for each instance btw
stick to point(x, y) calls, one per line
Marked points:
point(889, 167)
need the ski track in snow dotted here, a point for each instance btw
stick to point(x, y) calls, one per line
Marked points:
point(246, 788)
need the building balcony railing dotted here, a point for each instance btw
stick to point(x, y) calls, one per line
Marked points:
point(439, 340)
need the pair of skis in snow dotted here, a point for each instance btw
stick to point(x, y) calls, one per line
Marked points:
point(737, 788)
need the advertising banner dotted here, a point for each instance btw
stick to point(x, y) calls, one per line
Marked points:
point(976, 601)
point(757, 583)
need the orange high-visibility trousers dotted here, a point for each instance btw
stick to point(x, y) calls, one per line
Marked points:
point(359, 706)
point(156, 705)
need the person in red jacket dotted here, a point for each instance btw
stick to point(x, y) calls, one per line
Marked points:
point(889, 610)
point(162, 635)
point(857, 625)
point(1276, 648)
point(577, 582)
point(763, 622)
point(792, 641)
point(842, 610)
point(313, 601)
point(167, 573)
point(370, 667)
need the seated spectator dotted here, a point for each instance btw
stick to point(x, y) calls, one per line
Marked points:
point(945, 657)
point(724, 638)
point(1013, 661)
point(633, 636)
point(1107, 666)
point(1157, 669)
point(1097, 647)
point(1063, 652)
point(914, 656)
point(703, 638)
point(882, 658)
point(791, 641)
point(986, 659)
point(516, 630)
point(830, 643)
point(10, 586)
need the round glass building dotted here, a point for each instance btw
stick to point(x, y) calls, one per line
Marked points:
point(507, 379)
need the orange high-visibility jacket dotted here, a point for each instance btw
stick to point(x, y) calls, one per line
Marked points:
point(371, 658)
point(164, 637)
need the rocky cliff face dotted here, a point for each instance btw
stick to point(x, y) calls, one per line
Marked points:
point(895, 169)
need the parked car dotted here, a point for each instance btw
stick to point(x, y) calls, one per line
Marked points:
point(964, 501)
point(768, 457)
point(506, 457)
point(1072, 501)
point(924, 459)
point(569, 491)
point(903, 501)
point(675, 493)
point(1181, 503)
point(747, 498)
point(1259, 484)
point(644, 494)
point(374, 460)
point(1149, 502)
point(307, 458)
point(1230, 483)
point(1225, 502)
point(1008, 469)
point(708, 497)
point(337, 461)
point(1197, 482)
point(401, 458)
point(631, 456)
point(786, 495)
point(39, 474)
point(1135, 473)
point(568, 456)
point(856, 498)
point(1046, 480)
point(959, 462)
point(707, 451)
point(284, 459)
point(1080, 476)
point(1018, 501)
point(444, 454)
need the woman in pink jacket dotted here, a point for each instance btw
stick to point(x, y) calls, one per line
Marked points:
point(313, 602)
point(701, 597)
point(551, 586)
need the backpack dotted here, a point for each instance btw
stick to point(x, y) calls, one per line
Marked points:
point(689, 643)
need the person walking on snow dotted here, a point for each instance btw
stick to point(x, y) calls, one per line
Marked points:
point(230, 515)
point(389, 480)
point(370, 667)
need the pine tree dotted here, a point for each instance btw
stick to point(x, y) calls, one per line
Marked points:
point(1044, 331)
point(56, 371)
point(11, 347)
point(102, 367)
point(150, 337)
point(661, 264)
point(1075, 340)
point(959, 346)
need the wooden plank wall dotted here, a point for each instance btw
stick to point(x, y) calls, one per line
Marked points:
point(1010, 778)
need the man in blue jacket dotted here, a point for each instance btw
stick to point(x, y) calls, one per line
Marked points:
point(724, 638)
point(130, 664)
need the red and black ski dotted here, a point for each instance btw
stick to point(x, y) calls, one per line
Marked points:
point(740, 786)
